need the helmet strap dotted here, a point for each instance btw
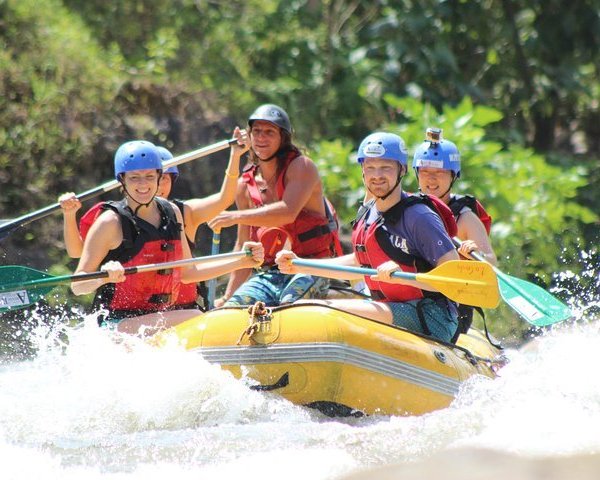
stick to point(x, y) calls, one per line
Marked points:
point(384, 197)
point(454, 177)
point(267, 159)
point(140, 205)
point(278, 154)
point(398, 180)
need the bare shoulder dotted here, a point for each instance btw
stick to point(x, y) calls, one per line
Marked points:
point(108, 219)
point(302, 160)
point(302, 166)
point(106, 231)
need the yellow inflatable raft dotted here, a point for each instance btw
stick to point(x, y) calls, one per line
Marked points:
point(340, 363)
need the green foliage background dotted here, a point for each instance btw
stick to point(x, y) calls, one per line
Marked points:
point(514, 84)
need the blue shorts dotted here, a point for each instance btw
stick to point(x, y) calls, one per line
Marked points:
point(441, 320)
point(275, 288)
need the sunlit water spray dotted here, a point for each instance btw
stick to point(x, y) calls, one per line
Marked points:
point(91, 404)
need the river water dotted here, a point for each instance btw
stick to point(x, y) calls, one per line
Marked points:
point(89, 407)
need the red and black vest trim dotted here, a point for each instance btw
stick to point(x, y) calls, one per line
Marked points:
point(458, 202)
point(143, 244)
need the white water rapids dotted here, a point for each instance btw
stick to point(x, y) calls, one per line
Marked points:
point(93, 408)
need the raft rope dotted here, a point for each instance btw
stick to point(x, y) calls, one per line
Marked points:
point(259, 313)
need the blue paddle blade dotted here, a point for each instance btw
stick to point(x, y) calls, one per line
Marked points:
point(15, 292)
point(531, 302)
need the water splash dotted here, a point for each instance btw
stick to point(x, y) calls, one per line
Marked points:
point(93, 404)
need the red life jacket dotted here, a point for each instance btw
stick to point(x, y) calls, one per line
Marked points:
point(373, 246)
point(312, 234)
point(143, 244)
point(458, 202)
point(88, 218)
point(188, 292)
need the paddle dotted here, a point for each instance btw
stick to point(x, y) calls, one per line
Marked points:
point(10, 225)
point(534, 304)
point(212, 283)
point(460, 280)
point(23, 286)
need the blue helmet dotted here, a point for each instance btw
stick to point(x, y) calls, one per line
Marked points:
point(137, 155)
point(164, 156)
point(383, 145)
point(436, 152)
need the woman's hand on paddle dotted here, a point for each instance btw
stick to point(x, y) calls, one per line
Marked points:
point(385, 270)
point(116, 271)
point(467, 247)
point(243, 142)
point(258, 254)
point(283, 259)
point(69, 203)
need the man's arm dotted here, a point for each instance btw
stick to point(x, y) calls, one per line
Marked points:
point(471, 228)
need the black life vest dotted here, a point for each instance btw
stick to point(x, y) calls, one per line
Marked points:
point(458, 202)
point(142, 244)
point(373, 246)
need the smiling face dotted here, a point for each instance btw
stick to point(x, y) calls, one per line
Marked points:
point(141, 185)
point(266, 139)
point(380, 175)
point(435, 181)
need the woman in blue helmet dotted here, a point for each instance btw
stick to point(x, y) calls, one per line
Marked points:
point(394, 231)
point(195, 211)
point(74, 233)
point(143, 229)
point(437, 165)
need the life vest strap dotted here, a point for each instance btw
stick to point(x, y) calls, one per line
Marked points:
point(314, 232)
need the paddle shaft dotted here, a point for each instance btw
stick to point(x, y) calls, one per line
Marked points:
point(10, 225)
point(212, 283)
point(79, 277)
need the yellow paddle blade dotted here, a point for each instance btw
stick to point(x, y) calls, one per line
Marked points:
point(466, 282)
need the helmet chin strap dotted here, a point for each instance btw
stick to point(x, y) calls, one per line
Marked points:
point(266, 160)
point(140, 205)
point(384, 197)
